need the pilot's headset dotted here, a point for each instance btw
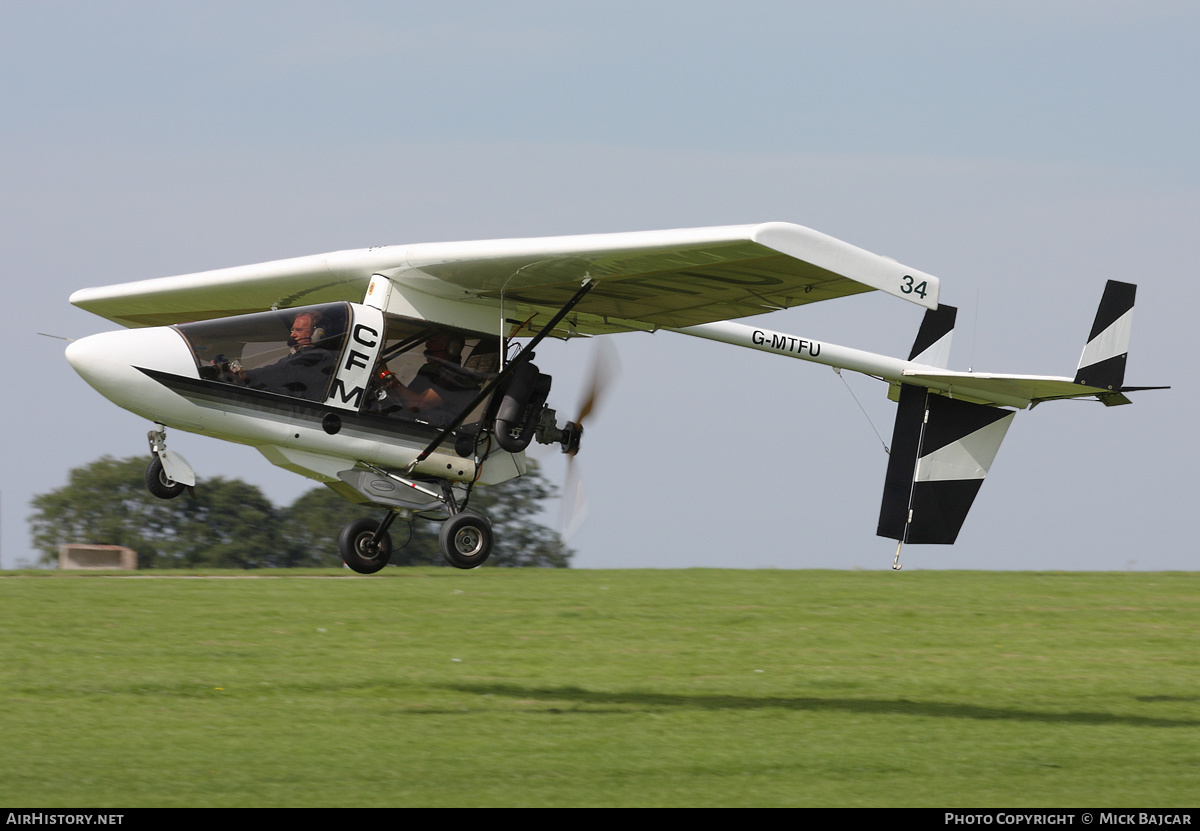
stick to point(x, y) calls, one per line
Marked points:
point(318, 334)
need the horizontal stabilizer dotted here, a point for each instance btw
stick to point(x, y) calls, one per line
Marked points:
point(1101, 371)
point(942, 449)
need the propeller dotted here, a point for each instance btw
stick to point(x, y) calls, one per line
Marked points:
point(604, 369)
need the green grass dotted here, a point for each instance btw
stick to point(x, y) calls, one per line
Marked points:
point(549, 687)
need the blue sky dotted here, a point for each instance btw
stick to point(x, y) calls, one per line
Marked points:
point(1022, 152)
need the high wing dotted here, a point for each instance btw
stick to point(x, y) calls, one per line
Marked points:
point(645, 280)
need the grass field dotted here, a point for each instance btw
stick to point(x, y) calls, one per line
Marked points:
point(548, 687)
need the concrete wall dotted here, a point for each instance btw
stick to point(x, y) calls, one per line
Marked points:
point(97, 556)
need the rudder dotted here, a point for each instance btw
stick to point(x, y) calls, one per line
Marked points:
point(942, 449)
point(1102, 364)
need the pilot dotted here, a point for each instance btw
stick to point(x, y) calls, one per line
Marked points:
point(305, 371)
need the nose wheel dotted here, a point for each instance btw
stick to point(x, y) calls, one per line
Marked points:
point(168, 473)
point(159, 483)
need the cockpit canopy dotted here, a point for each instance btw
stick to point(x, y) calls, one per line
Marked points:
point(351, 357)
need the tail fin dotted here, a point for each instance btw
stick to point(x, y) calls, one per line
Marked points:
point(932, 346)
point(1103, 361)
point(942, 448)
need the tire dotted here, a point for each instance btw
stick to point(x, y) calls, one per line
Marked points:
point(159, 483)
point(466, 540)
point(356, 550)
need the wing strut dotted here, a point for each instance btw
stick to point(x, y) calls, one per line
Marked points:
point(523, 356)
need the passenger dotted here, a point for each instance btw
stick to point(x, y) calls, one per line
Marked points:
point(440, 389)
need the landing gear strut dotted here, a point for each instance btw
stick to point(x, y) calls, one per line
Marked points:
point(168, 473)
point(465, 541)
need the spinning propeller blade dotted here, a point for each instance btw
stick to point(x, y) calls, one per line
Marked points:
point(605, 365)
point(604, 370)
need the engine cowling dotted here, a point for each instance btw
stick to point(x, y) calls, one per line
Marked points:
point(521, 402)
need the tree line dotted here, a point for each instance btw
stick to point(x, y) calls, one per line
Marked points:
point(227, 523)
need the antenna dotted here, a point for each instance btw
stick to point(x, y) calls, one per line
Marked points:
point(974, 332)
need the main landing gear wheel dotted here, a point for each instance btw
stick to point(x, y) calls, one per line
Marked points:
point(466, 540)
point(159, 483)
point(354, 544)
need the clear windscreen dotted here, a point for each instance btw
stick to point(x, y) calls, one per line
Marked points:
point(291, 352)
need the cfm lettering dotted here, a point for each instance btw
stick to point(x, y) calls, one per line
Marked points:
point(354, 367)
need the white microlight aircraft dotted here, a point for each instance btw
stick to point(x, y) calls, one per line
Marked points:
point(397, 375)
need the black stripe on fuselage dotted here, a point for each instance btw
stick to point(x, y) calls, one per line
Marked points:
point(216, 395)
